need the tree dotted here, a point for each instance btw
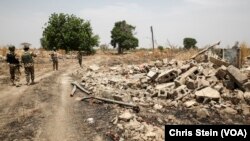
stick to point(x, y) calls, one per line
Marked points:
point(68, 32)
point(189, 43)
point(161, 48)
point(122, 36)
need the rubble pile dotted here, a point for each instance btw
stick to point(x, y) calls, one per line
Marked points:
point(200, 87)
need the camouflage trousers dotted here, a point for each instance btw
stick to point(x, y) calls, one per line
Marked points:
point(80, 62)
point(29, 73)
point(55, 65)
point(14, 73)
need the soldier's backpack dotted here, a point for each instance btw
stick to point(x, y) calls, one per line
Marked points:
point(27, 58)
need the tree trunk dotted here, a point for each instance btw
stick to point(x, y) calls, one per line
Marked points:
point(120, 50)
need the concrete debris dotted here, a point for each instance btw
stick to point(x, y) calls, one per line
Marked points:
point(221, 72)
point(94, 67)
point(229, 110)
point(246, 86)
point(247, 97)
point(218, 62)
point(165, 61)
point(165, 85)
point(126, 116)
point(181, 79)
point(158, 107)
point(208, 92)
point(167, 76)
point(90, 121)
point(159, 86)
point(190, 103)
point(152, 75)
point(202, 113)
point(237, 76)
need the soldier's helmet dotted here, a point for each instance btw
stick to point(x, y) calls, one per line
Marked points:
point(54, 48)
point(26, 47)
point(12, 48)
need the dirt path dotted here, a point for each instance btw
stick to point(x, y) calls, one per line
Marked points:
point(45, 112)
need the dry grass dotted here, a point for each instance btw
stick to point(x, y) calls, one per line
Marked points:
point(244, 51)
point(143, 56)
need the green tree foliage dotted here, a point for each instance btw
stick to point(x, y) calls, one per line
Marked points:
point(189, 43)
point(68, 32)
point(161, 48)
point(122, 36)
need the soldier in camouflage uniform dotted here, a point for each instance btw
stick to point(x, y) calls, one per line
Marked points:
point(54, 58)
point(14, 65)
point(79, 57)
point(28, 62)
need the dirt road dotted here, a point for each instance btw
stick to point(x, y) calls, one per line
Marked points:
point(45, 111)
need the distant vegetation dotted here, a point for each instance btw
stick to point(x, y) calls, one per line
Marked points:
point(122, 37)
point(68, 32)
point(189, 43)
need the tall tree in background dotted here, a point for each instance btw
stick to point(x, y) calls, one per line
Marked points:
point(189, 43)
point(122, 36)
point(68, 32)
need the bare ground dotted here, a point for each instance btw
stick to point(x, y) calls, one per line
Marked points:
point(45, 111)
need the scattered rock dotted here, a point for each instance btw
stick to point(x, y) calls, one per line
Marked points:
point(247, 97)
point(202, 113)
point(190, 103)
point(158, 107)
point(229, 110)
point(126, 116)
point(94, 67)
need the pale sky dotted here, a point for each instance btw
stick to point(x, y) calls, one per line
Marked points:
point(208, 21)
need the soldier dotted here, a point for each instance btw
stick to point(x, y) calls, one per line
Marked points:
point(79, 57)
point(54, 58)
point(14, 65)
point(27, 60)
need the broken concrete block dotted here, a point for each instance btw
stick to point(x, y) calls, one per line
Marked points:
point(203, 82)
point(164, 85)
point(229, 84)
point(212, 79)
point(158, 107)
point(238, 77)
point(205, 72)
point(163, 94)
point(247, 97)
point(190, 103)
point(165, 61)
point(94, 67)
point(126, 116)
point(221, 72)
point(167, 76)
point(218, 62)
point(152, 75)
point(181, 90)
point(173, 62)
point(228, 110)
point(182, 78)
point(246, 86)
point(237, 97)
point(158, 63)
point(191, 84)
point(208, 92)
point(184, 68)
point(218, 87)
